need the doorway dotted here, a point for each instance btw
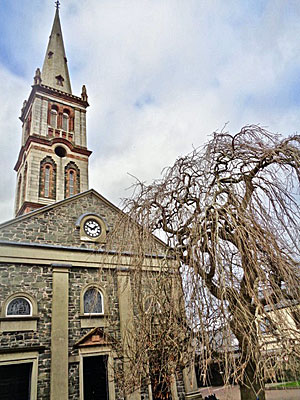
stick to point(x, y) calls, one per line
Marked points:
point(95, 378)
point(15, 381)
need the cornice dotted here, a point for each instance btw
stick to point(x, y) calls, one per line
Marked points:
point(49, 143)
point(53, 92)
point(47, 254)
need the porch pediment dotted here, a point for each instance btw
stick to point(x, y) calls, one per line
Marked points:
point(95, 337)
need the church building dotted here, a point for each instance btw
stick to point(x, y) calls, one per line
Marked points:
point(61, 284)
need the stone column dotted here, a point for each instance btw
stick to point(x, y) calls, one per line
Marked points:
point(59, 383)
point(126, 319)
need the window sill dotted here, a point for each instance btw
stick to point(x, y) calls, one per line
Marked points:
point(18, 324)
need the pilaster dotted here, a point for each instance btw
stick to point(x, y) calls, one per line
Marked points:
point(126, 320)
point(36, 116)
point(189, 378)
point(44, 117)
point(77, 132)
point(83, 129)
point(59, 333)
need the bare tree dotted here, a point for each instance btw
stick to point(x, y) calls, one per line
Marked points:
point(230, 212)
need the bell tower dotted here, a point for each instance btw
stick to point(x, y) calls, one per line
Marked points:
point(53, 159)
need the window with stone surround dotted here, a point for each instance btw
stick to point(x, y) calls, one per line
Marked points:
point(53, 117)
point(47, 180)
point(72, 179)
point(19, 312)
point(93, 306)
point(93, 301)
point(19, 306)
point(65, 121)
point(60, 117)
point(47, 187)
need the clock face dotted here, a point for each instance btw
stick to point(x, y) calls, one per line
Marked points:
point(92, 228)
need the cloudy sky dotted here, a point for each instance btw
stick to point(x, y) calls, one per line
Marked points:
point(161, 76)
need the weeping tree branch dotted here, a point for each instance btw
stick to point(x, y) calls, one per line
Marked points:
point(230, 212)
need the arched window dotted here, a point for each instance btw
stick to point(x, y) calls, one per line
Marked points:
point(65, 121)
point(93, 301)
point(72, 179)
point(19, 306)
point(47, 178)
point(71, 182)
point(53, 117)
point(47, 171)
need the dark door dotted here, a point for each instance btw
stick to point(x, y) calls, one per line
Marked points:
point(15, 381)
point(95, 382)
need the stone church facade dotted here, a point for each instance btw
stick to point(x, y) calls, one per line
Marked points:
point(61, 285)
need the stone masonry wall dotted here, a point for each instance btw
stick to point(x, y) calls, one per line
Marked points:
point(56, 226)
point(37, 281)
point(78, 279)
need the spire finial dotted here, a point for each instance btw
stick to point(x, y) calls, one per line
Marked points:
point(57, 3)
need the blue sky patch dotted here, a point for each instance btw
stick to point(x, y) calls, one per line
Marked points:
point(144, 100)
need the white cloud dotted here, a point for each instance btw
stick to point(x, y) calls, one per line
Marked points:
point(12, 93)
point(161, 76)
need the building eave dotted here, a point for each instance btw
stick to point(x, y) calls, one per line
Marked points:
point(43, 89)
point(70, 199)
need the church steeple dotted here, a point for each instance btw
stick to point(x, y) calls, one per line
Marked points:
point(53, 159)
point(55, 71)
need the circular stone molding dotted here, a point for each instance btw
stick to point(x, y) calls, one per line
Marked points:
point(92, 228)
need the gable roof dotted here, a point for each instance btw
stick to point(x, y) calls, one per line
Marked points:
point(42, 210)
point(57, 224)
point(94, 337)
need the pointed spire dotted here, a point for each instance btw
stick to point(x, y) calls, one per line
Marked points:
point(55, 71)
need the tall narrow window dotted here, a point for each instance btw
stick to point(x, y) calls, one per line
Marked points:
point(71, 182)
point(72, 179)
point(47, 178)
point(93, 303)
point(47, 181)
point(65, 122)
point(53, 118)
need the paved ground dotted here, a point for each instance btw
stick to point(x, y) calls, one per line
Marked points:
point(233, 393)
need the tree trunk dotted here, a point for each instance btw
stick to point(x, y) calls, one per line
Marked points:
point(251, 387)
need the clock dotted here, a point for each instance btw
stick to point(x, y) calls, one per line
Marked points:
point(92, 228)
